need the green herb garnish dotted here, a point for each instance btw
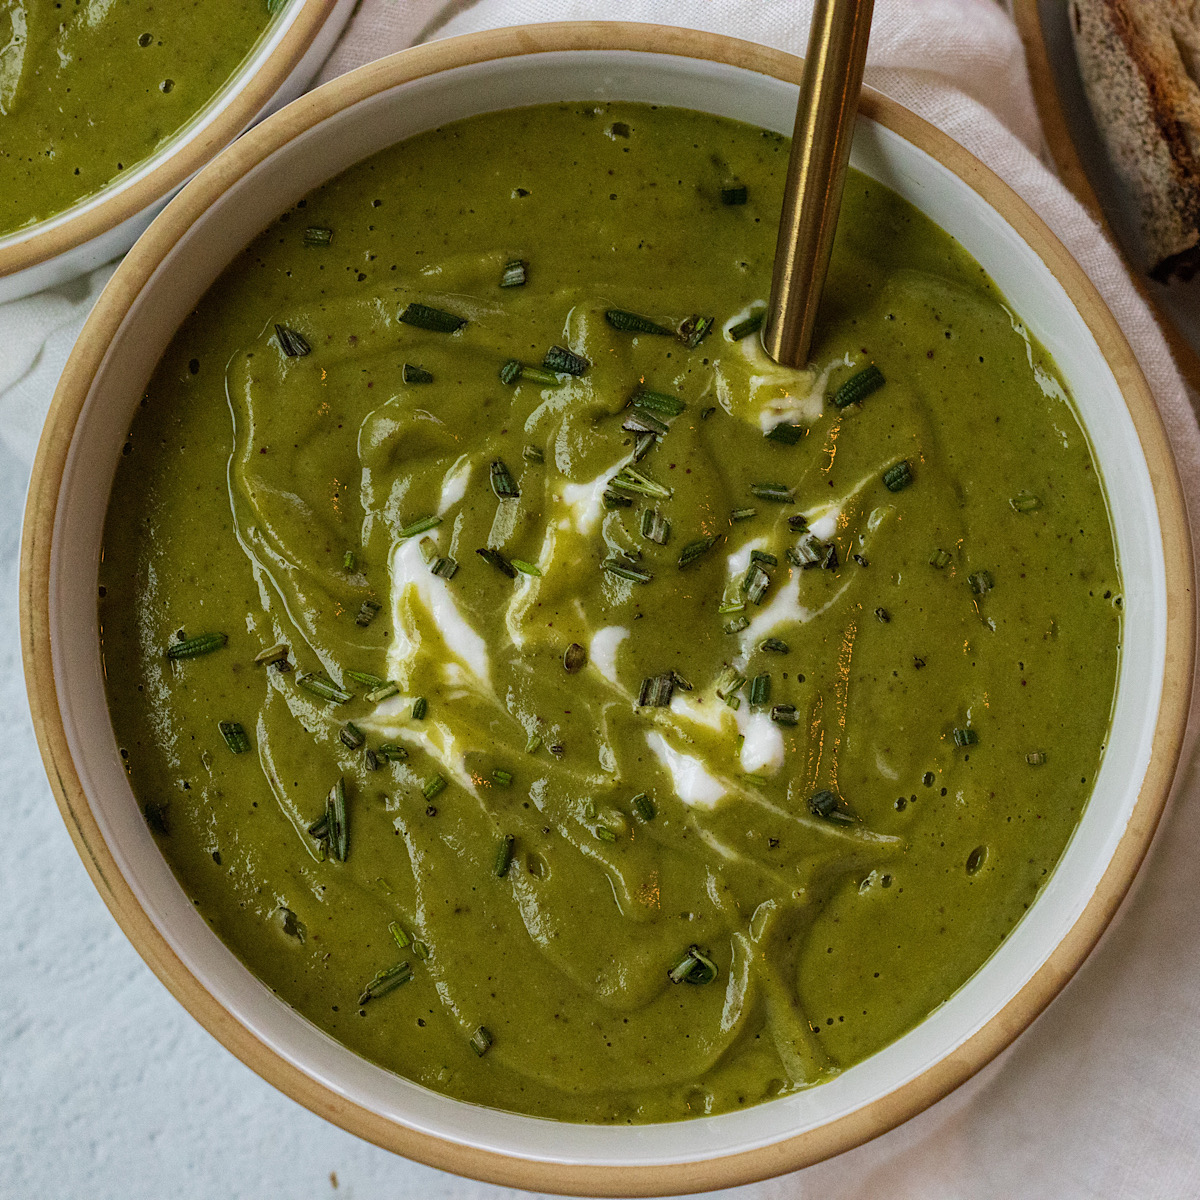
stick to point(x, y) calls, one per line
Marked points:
point(628, 322)
point(644, 807)
point(742, 514)
point(423, 525)
point(697, 549)
point(574, 658)
point(941, 559)
point(734, 193)
point(694, 967)
point(898, 476)
point(695, 329)
point(774, 646)
point(858, 387)
point(760, 690)
point(436, 320)
point(235, 736)
point(504, 855)
point(291, 343)
point(658, 402)
point(564, 361)
point(981, 582)
point(420, 708)
point(433, 785)
point(502, 778)
point(315, 235)
point(319, 684)
point(785, 714)
point(414, 374)
point(785, 434)
point(656, 690)
point(272, 654)
point(194, 647)
point(965, 737)
point(533, 454)
point(655, 527)
point(386, 981)
point(1025, 502)
point(776, 492)
point(497, 560)
point(622, 568)
point(382, 692)
point(514, 275)
point(747, 326)
point(527, 568)
point(628, 479)
point(367, 613)
point(481, 1041)
point(351, 736)
point(503, 484)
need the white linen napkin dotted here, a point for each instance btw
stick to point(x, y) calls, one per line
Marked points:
point(1100, 1098)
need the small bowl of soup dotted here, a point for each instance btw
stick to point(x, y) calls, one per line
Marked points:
point(106, 109)
point(522, 721)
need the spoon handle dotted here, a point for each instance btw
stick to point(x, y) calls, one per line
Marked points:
point(829, 88)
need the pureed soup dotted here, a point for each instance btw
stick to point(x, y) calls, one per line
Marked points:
point(91, 88)
point(552, 698)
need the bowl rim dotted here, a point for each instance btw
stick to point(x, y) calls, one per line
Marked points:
point(789, 1154)
point(252, 92)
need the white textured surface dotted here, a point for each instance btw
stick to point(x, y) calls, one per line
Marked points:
point(108, 1089)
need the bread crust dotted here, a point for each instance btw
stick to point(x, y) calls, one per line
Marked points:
point(1140, 65)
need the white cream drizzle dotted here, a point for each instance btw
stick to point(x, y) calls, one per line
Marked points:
point(602, 653)
point(693, 784)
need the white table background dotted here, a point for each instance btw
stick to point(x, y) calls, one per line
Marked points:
point(110, 1091)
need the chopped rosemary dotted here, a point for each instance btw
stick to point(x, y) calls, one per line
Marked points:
point(1035, 759)
point(798, 523)
point(510, 372)
point(975, 859)
point(734, 193)
point(368, 611)
point(503, 483)
point(436, 320)
point(613, 500)
point(365, 677)
point(352, 736)
point(1025, 502)
point(785, 714)
point(807, 552)
point(444, 567)
point(777, 492)
point(627, 479)
point(760, 690)
point(858, 387)
point(515, 274)
point(514, 369)
point(397, 931)
point(314, 235)
point(697, 549)
point(481, 1040)
point(743, 514)
point(504, 855)
point(981, 582)
point(642, 445)
point(414, 374)
point(733, 599)
point(420, 526)
point(656, 690)
point(941, 559)
point(272, 654)
point(433, 785)
point(321, 685)
point(574, 658)
point(291, 343)
point(898, 476)
point(390, 752)
point(235, 736)
point(624, 569)
point(965, 737)
point(370, 759)
point(774, 646)
point(564, 361)
point(533, 454)
point(502, 778)
point(755, 584)
point(533, 743)
point(602, 833)
point(349, 561)
point(527, 568)
point(882, 616)
point(497, 560)
point(737, 625)
point(420, 708)
point(695, 329)
point(644, 807)
point(628, 322)
point(785, 434)
point(382, 692)
point(694, 967)
point(386, 981)
point(205, 643)
point(655, 527)
point(658, 402)
point(747, 326)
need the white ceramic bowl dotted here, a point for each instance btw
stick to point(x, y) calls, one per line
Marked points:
point(103, 226)
point(160, 281)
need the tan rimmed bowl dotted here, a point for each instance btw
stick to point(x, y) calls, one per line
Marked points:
point(100, 227)
point(163, 278)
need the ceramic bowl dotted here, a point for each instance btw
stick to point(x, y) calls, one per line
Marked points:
point(103, 226)
point(161, 280)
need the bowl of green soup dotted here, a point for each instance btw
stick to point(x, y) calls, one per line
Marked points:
point(106, 109)
point(529, 726)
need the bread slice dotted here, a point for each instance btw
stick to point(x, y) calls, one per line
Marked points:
point(1140, 65)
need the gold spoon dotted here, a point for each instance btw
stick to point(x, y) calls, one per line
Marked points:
point(829, 88)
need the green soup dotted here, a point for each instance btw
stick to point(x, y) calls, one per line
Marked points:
point(91, 88)
point(553, 699)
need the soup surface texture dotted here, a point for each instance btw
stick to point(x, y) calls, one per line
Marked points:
point(91, 88)
point(638, 728)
